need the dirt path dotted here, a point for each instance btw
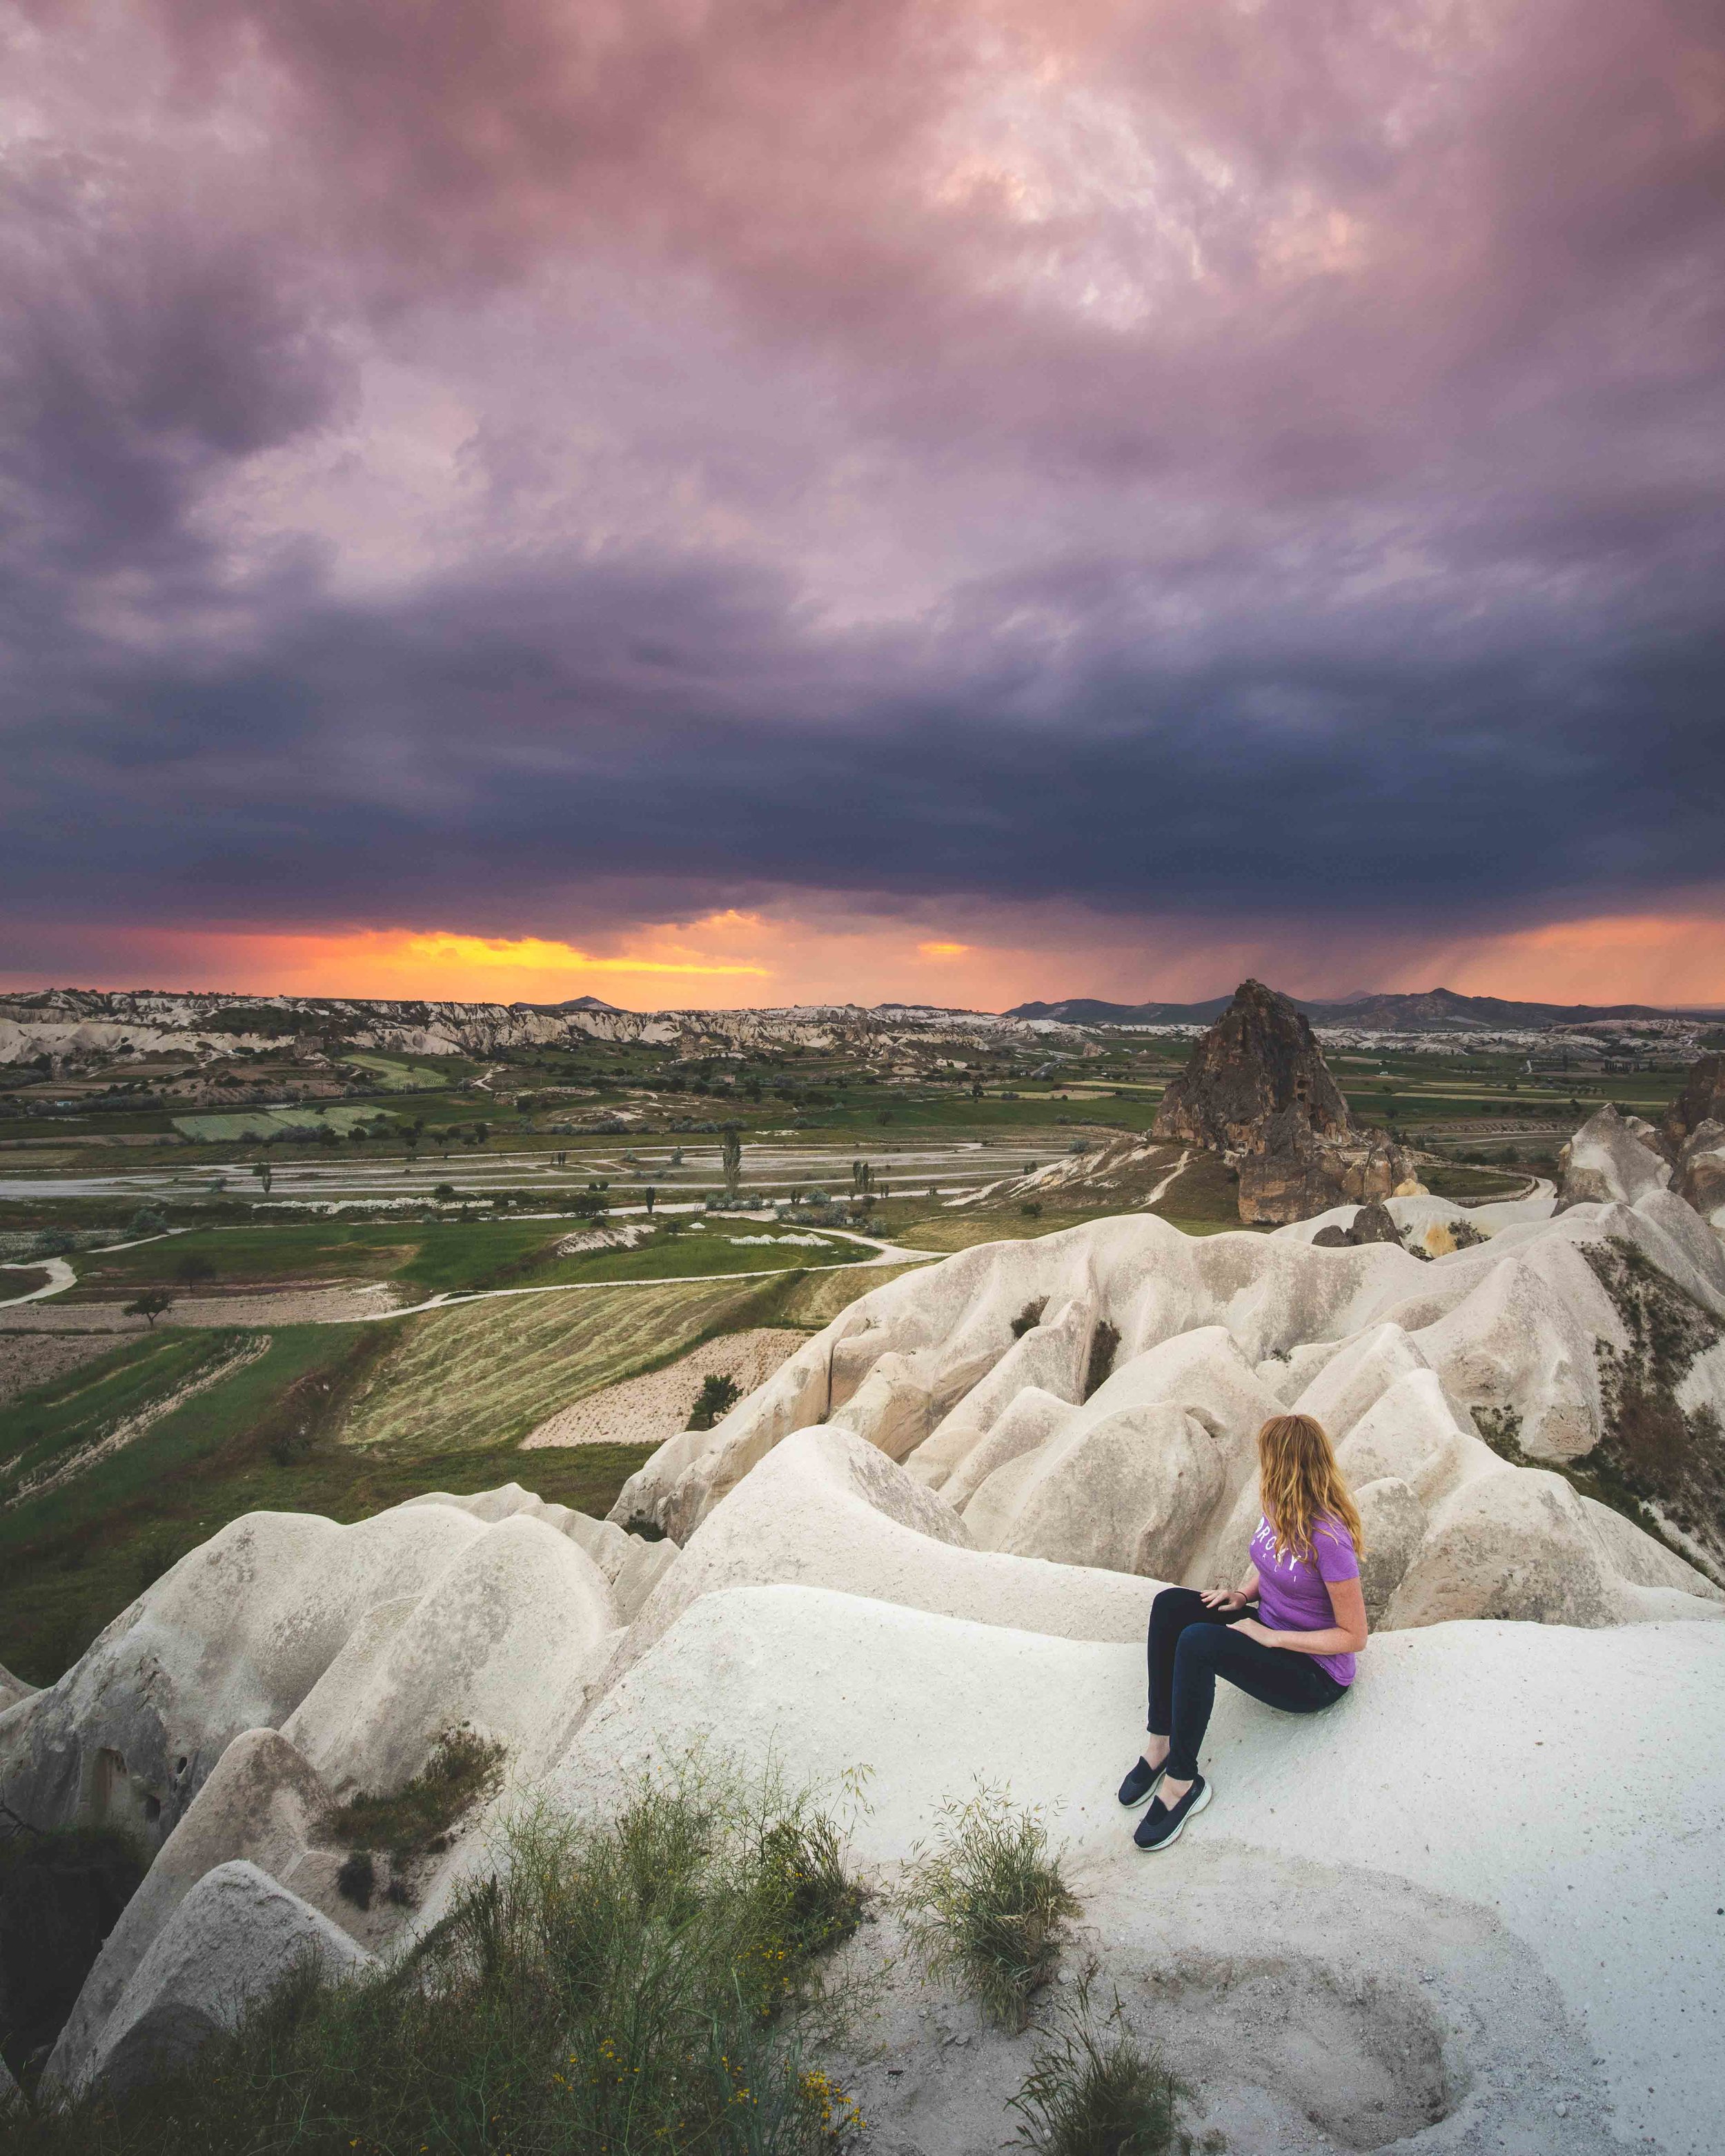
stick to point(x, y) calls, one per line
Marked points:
point(1167, 1182)
point(60, 1277)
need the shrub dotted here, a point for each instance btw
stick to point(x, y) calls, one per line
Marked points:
point(1104, 1346)
point(54, 1242)
point(147, 1221)
point(158, 1552)
point(987, 1908)
point(1029, 1317)
point(717, 1396)
point(463, 1766)
point(629, 1984)
point(1032, 1211)
point(357, 1881)
point(1091, 2092)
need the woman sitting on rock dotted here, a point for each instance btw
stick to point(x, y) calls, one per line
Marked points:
point(1297, 1652)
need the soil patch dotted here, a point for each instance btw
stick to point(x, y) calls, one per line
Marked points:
point(647, 1410)
point(29, 1359)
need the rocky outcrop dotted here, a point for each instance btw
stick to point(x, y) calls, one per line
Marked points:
point(233, 1938)
point(1309, 1176)
point(1607, 1160)
point(1692, 1136)
point(1256, 1082)
point(1700, 1172)
point(1372, 1224)
point(1257, 1090)
point(1701, 1101)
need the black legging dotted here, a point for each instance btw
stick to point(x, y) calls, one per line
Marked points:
point(1190, 1647)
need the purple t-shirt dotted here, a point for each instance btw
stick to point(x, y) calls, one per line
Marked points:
point(1293, 1596)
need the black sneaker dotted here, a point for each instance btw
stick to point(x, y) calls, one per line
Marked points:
point(1136, 1789)
point(1161, 1828)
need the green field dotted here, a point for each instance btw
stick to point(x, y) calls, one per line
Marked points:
point(396, 1075)
point(438, 1257)
point(231, 1127)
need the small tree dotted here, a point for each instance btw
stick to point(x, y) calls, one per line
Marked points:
point(266, 1174)
point(194, 1267)
point(731, 1158)
point(651, 1195)
point(862, 1179)
point(718, 1395)
point(149, 1306)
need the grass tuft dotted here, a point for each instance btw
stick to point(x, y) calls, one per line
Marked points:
point(631, 1984)
point(1094, 2092)
point(987, 1907)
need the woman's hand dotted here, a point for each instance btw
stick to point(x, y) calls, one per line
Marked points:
point(1223, 1598)
point(1249, 1628)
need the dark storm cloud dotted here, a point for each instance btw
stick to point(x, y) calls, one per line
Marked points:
point(1154, 455)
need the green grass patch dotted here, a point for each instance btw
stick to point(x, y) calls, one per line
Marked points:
point(395, 1074)
point(39, 1429)
point(987, 1907)
point(230, 1126)
point(1093, 2090)
point(637, 1983)
point(415, 1818)
point(730, 1248)
point(1473, 1186)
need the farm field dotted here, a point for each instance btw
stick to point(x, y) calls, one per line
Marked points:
point(337, 1419)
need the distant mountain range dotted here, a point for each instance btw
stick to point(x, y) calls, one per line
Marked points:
point(1434, 1010)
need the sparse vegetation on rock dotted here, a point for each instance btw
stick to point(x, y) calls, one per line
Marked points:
point(988, 1905)
point(635, 1984)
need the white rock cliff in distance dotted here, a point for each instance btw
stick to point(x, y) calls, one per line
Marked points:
point(926, 1546)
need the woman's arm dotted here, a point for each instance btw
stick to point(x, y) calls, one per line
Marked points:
point(1346, 1636)
point(1233, 1597)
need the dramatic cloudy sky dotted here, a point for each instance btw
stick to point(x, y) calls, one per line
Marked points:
point(723, 501)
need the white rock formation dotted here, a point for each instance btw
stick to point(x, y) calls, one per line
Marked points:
point(234, 1936)
point(1606, 1159)
point(369, 1639)
point(989, 1353)
point(920, 1548)
point(1458, 1809)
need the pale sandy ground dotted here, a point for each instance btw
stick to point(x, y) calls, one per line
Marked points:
point(647, 1410)
point(28, 1359)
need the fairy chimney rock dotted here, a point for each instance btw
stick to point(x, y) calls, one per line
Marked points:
point(1257, 1082)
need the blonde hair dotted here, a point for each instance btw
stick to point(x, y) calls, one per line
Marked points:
point(1300, 1484)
